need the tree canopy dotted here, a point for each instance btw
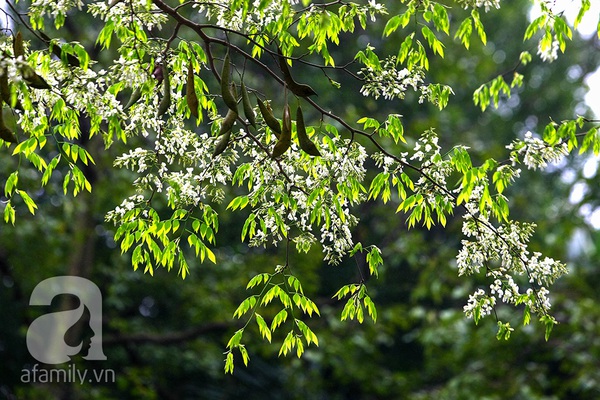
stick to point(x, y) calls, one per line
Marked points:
point(254, 148)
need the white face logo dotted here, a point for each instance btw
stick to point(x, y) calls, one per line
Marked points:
point(46, 334)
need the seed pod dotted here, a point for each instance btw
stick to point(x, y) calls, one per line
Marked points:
point(18, 48)
point(305, 143)
point(234, 92)
point(58, 51)
point(228, 122)
point(158, 72)
point(190, 92)
point(302, 90)
point(222, 143)
point(5, 88)
point(7, 95)
point(269, 118)
point(228, 96)
point(285, 139)
point(63, 55)
point(165, 102)
point(32, 78)
point(5, 133)
point(299, 89)
point(136, 95)
point(248, 110)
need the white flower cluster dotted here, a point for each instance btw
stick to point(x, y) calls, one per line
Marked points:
point(184, 189)
point(375, 8)
point(337, 238)
point(138, 160)
point(145, 13)
point(487, 4)
point(548, 53)
point(480, 303)
point(118, 214)
point(388, 82)
point(435, 169)
point(227, 16)
point(316, 194)
point(535, 152)
point(55, 8)
point(503, 254)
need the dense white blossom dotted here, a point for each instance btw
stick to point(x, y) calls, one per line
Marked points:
point(548, 53)
point(535, 153)
point(390, 82)
point(486, 4)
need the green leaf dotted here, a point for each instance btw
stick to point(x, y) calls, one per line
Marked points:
point(464, 32)
point(585, 6)
point(28, 201)
point(257, 280)
point(229, 363)
point(235, 340)
point(288, 343)
point(479, 26)
point(535, 26)
point(262, 327)
point(279, 319)
point(9, 213)
point(11, 183)
point(392, 25)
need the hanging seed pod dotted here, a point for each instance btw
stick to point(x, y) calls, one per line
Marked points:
point(32, 78)
point(190, 92)
point(5, 88)
point(222, 143)
point(136, 95)
point(269, 118)
point(228, 122)
point(248, 110)
point(18, 49)
point(305, 143)
point(58, 51)
point(234, 92)
point(63, 55)
point(165, 102)
point(7, 95)
point(228, 96)
point(5, 133)
point(285, 139)
point(299, 89)
point(158, 72)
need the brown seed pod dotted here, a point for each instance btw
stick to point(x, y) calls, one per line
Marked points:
point(57, 50)
point(285, 139)
point(63, 55)
point(299, 89)
point(32, 78)
point(248, 110)
point(228, 122)
point(18, 48)
point(269, 118)
point(165, 102)
point(228, 96)
point(222, 143)
point(158, 72)
point(305, 143)
point(134, 98)
point(190, 92)
point(7, 95)
point(5, 133)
